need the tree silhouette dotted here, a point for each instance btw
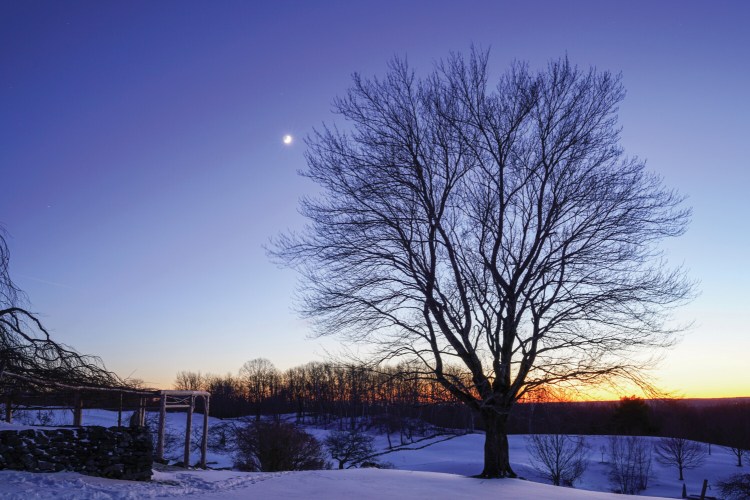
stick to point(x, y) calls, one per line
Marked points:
point(497, 226)
point(261, 379)
point(632, 416)
point(349, 447)
point(559, 458)
point(680, 452)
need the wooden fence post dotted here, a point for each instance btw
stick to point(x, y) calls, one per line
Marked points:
point(188, 429)
point(119, 412)
point(162, 424)
point(9, 410)
point(77, 409)
point(204, 438)
point(142, 413)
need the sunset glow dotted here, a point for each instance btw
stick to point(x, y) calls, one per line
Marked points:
point(151, 153)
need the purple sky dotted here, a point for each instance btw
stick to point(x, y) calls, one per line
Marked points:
point(143, 166)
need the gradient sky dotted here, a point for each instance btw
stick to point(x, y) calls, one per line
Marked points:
point(142, 164)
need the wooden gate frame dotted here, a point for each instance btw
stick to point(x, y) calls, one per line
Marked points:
point(183, 400)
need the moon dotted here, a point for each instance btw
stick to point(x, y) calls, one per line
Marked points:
point(287, 139)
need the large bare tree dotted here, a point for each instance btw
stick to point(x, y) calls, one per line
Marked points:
point(498, 226)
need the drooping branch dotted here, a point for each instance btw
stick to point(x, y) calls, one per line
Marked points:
point(29, 354)
point(27, 349)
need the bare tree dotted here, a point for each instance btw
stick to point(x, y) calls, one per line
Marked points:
point(261, 379)
point(629, 464)
point(559, 458)
point(189, 381)
point(349, 447)
point(499, 227)
point(739, 453)
point(681, 453)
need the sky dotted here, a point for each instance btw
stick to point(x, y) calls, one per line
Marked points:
point(143, 169)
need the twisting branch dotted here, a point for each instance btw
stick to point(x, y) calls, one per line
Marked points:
point(27, 349)
point(28, 352)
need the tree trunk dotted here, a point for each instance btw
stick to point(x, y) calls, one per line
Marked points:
point(680, 467)
point(496, 457)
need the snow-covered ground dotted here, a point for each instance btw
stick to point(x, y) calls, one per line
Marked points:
point(362, 484)
point(437, 471)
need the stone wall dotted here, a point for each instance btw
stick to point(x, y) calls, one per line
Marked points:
point(114, 452)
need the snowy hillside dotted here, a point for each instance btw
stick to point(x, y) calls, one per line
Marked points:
point(437, 471)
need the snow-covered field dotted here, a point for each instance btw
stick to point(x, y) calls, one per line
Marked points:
point(362, 484)
point(434, 472)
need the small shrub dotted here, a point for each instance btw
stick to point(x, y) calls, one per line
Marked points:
point(373, 464)
point(350, 447)
point(736, 487)
point(46, 418)
point(172, 440)
point(277, 446)
point(221, 437)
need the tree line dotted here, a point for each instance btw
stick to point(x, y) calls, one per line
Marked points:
point(393, 396)
point(723, 422)
point(321, 392)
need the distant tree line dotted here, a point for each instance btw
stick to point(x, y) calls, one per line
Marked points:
point(322, 393)
point(396, 397)
point(724, 422)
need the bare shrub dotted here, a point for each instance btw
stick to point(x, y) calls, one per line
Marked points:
point(221, 437)
point(681, 453)
point(559, 458)
point(277, 446)
point(350, 447)
point(736, 487)
point(45, 418)
point(172, 439)
point(630, 464)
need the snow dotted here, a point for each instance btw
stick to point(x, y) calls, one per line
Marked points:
point(363, 484)
point(437, 471)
